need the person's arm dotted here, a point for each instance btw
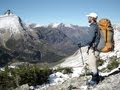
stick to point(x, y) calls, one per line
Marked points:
point(95, 39)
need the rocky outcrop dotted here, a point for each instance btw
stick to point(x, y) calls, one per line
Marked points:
point(23, 87)
point(109, 83)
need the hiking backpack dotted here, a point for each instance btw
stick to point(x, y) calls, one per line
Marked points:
point(106, 43)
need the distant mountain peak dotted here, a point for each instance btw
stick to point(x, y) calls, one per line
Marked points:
point(8, 12)
point(59, 25)
point(11, 25)
point(54, 25)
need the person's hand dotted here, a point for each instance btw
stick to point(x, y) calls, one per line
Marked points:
point(94, 45)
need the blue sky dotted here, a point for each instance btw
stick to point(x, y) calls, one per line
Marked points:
point(66, 11)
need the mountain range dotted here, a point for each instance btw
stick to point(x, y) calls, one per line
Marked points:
point(38, 43)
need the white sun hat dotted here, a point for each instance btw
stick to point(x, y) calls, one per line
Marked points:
point(94, 15)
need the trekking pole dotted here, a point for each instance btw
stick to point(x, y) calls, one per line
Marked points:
point(81, 54)
point(83, 60)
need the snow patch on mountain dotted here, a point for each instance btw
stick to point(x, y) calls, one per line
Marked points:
point(60, 25)
point(54, 25)
point(37, 25)
point(10, 23)
point(57, 78)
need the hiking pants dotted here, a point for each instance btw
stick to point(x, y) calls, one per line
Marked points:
point(92, 60)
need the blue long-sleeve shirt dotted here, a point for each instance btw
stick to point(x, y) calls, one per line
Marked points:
point(94, 29)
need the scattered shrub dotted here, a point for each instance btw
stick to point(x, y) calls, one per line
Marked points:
point(113, 63)
point(28, 74)
point(100, 62)
point(65, 70)
point(6, 81)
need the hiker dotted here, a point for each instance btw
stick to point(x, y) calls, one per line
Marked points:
point(93, 54)
point(102, 34)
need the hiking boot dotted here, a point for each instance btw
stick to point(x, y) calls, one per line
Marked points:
point(95, 79)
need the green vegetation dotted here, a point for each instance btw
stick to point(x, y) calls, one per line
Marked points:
point(65, 70)
point(100, 62)
point(31, 74)
point(38, 74)
point(6, 81)
point(113, 63)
